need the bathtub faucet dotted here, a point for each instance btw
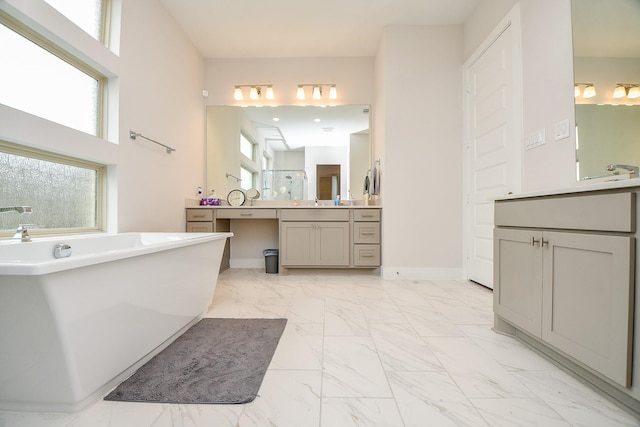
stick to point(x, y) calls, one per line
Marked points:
point(22, 234)
point(630, 168)
point(19, 209)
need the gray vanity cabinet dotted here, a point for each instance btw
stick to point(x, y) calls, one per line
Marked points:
point(564, 274)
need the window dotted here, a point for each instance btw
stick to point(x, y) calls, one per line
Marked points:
point(86, 14)
point(247, 147)
point(39, 82)
point(248, 178)
point(64, 193)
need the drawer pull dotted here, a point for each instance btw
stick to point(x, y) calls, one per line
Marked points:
point(367, 233)
point(543, 242)
point(198, 216)
point(246, 214)
point(533, 241)
point(366, 255)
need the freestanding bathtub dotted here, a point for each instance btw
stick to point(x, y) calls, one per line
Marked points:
point(73, 328)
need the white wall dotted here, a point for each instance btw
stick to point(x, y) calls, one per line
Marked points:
point(159, 74)
point(419, 93)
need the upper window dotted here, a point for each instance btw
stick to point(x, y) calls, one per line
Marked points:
point(86, 14)
point(34, 80)
point(247, 147)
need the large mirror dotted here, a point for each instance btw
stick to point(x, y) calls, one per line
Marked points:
point(606, 43)
point(285, 151)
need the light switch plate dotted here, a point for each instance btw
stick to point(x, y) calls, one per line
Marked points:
point(561, 130)
point(534, 139)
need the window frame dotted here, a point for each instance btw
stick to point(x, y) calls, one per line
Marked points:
point(101, 187)
point(39, 40)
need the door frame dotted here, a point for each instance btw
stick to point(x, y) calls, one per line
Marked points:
point(511, 19)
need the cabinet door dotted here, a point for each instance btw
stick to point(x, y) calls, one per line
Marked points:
point(517, 293)
point(588, 300)
point(297, 243)
point(332, 244)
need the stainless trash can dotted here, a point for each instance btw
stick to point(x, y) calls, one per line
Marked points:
point(270, 260)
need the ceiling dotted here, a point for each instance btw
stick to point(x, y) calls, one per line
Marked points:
point(299, 28)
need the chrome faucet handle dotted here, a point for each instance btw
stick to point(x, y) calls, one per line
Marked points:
point(22, 233)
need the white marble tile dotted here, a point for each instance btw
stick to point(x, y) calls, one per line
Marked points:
point(401, 349)
point(352, 369)
point(382, 310)
point(32, 419)
point(300, 347)
point(429, 322)
point(306, 307)
point(360, 412)
point(574, 401)
point(286, 398)
point(344, 318)
point(432, 399)
point(475, 372)
point(459, 313)
point(512, 354)
point(196, 416)
point(522, 412)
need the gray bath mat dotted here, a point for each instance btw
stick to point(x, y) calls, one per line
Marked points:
point(215, 361)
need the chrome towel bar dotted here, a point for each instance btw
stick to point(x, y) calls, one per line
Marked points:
point(134, 135)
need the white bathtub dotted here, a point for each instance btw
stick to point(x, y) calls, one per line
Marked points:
point(72, 328)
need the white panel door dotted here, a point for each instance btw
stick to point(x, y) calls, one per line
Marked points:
point(492, 142)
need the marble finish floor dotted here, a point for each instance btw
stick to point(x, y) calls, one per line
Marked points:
point(362, 351)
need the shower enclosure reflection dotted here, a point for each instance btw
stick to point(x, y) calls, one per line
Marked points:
point(284, 185)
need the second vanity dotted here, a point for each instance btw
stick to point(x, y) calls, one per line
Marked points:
point(565, 269)
point(308, 237)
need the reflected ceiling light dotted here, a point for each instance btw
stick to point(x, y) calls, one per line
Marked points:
point(589, 91)
point(316, 90)
point(576, 91)
point(255, 91)
point(620, 91)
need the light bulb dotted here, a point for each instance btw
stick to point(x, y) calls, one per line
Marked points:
point(300, 93)
point(576, 91)
point(270, 94)
point(317, 92)
point(254, 93)
point(237, 94)
point(620, 92)
point(634, 92)
point(333, 92)
point(589, 91)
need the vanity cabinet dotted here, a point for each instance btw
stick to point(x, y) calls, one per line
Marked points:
point(305, 243)
point(199, 221)
point(564, 274)
point(366, 238)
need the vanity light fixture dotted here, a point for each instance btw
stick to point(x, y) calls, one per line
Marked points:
point(634, 92)
point(316, 91)
point(589, 91)
point(255, 91)
point(620, 91)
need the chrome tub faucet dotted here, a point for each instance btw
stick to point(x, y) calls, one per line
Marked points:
point(21, 233)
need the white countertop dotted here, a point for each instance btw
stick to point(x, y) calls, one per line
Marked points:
point(608, 183)
point(285, 207)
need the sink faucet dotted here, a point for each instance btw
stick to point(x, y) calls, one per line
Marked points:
point(21, 233)
point(633, 169)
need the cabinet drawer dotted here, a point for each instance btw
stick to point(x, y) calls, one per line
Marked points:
point(319, 214)
point(246, 213)
point(366, 214)
point(199, 215)
point(366, 255)
point(598, 212)
point(366, 232)
point(199, 227)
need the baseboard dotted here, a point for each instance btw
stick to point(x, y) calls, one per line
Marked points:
point(246, 263)
point(395, 273)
